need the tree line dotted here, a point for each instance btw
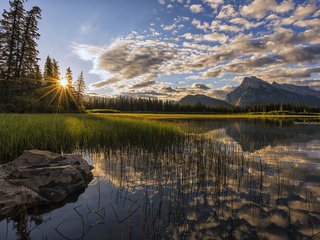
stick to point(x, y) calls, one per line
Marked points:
point(129, 104)
point(23, 87)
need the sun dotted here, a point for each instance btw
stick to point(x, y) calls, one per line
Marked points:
point(63, 83)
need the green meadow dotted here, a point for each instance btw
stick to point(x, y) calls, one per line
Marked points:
point(210, 115)
point(69, 132)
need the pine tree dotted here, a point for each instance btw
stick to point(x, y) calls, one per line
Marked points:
point(55, 71)
point(19, 69)
point(29, 53)
point(12, 24)
point(36, 74)
point(69, 77)
point(3, 49)
point(48, 71)
point(70, 90)
point(51, 78)
point(10, 39)
point(80, 87)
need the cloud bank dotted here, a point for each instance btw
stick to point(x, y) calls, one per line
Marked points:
point(211, 48)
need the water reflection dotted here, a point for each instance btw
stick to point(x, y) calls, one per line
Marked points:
point(234, 179)
point(254, 134)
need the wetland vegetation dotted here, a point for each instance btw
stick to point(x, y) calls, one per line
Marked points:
point(69, 132)
point(176, 178)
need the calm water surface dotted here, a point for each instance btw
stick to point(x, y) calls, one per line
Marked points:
point(230, 179)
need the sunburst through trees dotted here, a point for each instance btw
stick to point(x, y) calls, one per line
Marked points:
point(60, 94)
point(22, 86)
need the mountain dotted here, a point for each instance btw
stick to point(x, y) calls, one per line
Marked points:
point(302, 90)
point(254, 90)
point(203, 99)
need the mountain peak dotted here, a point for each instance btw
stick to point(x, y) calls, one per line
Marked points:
point(204, 100)
point(302, 90)
point(254, 82)
point(254, 90)
point(253, 79)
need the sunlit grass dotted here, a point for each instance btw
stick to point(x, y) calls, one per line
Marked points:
point(68, 132)
point(203, 116)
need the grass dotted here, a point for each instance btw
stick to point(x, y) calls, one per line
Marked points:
point(68, 132)
point(205, 116)
point(194, 175)
point(102, 111)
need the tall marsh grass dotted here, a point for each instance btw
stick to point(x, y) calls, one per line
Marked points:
point(68, 132)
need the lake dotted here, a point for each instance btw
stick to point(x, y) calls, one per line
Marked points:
point(227, 179)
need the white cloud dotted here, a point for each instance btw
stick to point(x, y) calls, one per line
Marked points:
point(200, 86)
point(128, 59)
point(284, 72)
point(212, 72)
point(229, 28)
point(200, 25)
point(132, 64)
point(214, 4)
point(258, 8)
point(317, 14)
point(188, 36)
point(227, 12)
point(308, 23)
point(301, 12)
point(215, 37)
point(196, 8)
point(273, 17)
point(246, 23)
point(284, 7)
point(86, 52)
point(169, 27)
point(215, 25)
point(304, 11)
point(211, 37)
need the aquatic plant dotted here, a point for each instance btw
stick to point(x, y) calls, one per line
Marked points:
point(68, 132)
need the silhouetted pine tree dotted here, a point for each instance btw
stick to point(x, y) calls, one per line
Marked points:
point(55, 71)
point(12, 24)
point(80, 87)
point(28, 61)
point(48, 71)
point(36, 74)
point(71, 101)
point(69, 77)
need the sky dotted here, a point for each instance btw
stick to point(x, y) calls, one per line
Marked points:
point(171, 48)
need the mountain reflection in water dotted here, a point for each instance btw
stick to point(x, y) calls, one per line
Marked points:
point(230, 179)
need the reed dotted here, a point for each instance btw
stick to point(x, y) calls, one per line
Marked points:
point(69, 132)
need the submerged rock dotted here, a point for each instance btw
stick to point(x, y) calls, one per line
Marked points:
point(38, 178)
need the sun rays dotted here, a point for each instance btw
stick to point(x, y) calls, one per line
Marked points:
point(57, 91)
point(63, 83)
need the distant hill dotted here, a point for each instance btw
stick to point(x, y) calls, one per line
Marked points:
point(254, 90)
point(204, 100)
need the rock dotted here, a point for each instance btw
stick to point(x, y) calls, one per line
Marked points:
point(40, 178)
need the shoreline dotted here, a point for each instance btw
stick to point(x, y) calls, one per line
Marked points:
point(203, 116)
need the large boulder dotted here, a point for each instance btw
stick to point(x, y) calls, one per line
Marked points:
point(40, 178)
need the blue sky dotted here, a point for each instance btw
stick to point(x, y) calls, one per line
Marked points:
point(171, 48)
